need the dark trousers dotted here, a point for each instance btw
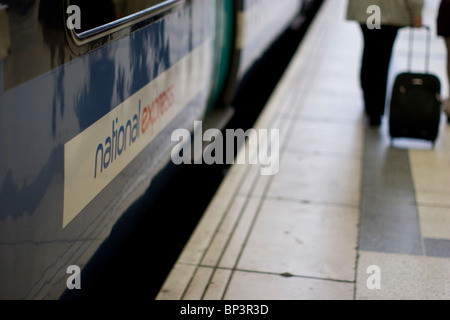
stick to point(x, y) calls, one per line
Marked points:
point(378, 45)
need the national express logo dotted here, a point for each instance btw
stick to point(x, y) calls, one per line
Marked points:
point(96, 156)
point(125, 134)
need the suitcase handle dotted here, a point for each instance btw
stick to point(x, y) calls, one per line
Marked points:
point(411, 42)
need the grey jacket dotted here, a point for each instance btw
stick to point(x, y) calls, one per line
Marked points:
point(393, 12)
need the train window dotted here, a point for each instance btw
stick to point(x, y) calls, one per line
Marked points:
point(90, 19)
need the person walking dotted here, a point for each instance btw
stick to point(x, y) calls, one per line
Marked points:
point(379, 38)
point(443, 30)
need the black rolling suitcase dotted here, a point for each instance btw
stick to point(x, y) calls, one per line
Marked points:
point(415, 109)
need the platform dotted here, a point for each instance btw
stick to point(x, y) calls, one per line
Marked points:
point(349, 215)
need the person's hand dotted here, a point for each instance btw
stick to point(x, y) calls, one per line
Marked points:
point(417, 22)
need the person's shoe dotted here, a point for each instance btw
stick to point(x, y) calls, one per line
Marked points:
point(446, 109)
point(374, 121)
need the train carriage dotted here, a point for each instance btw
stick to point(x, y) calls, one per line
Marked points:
point(90, 93)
